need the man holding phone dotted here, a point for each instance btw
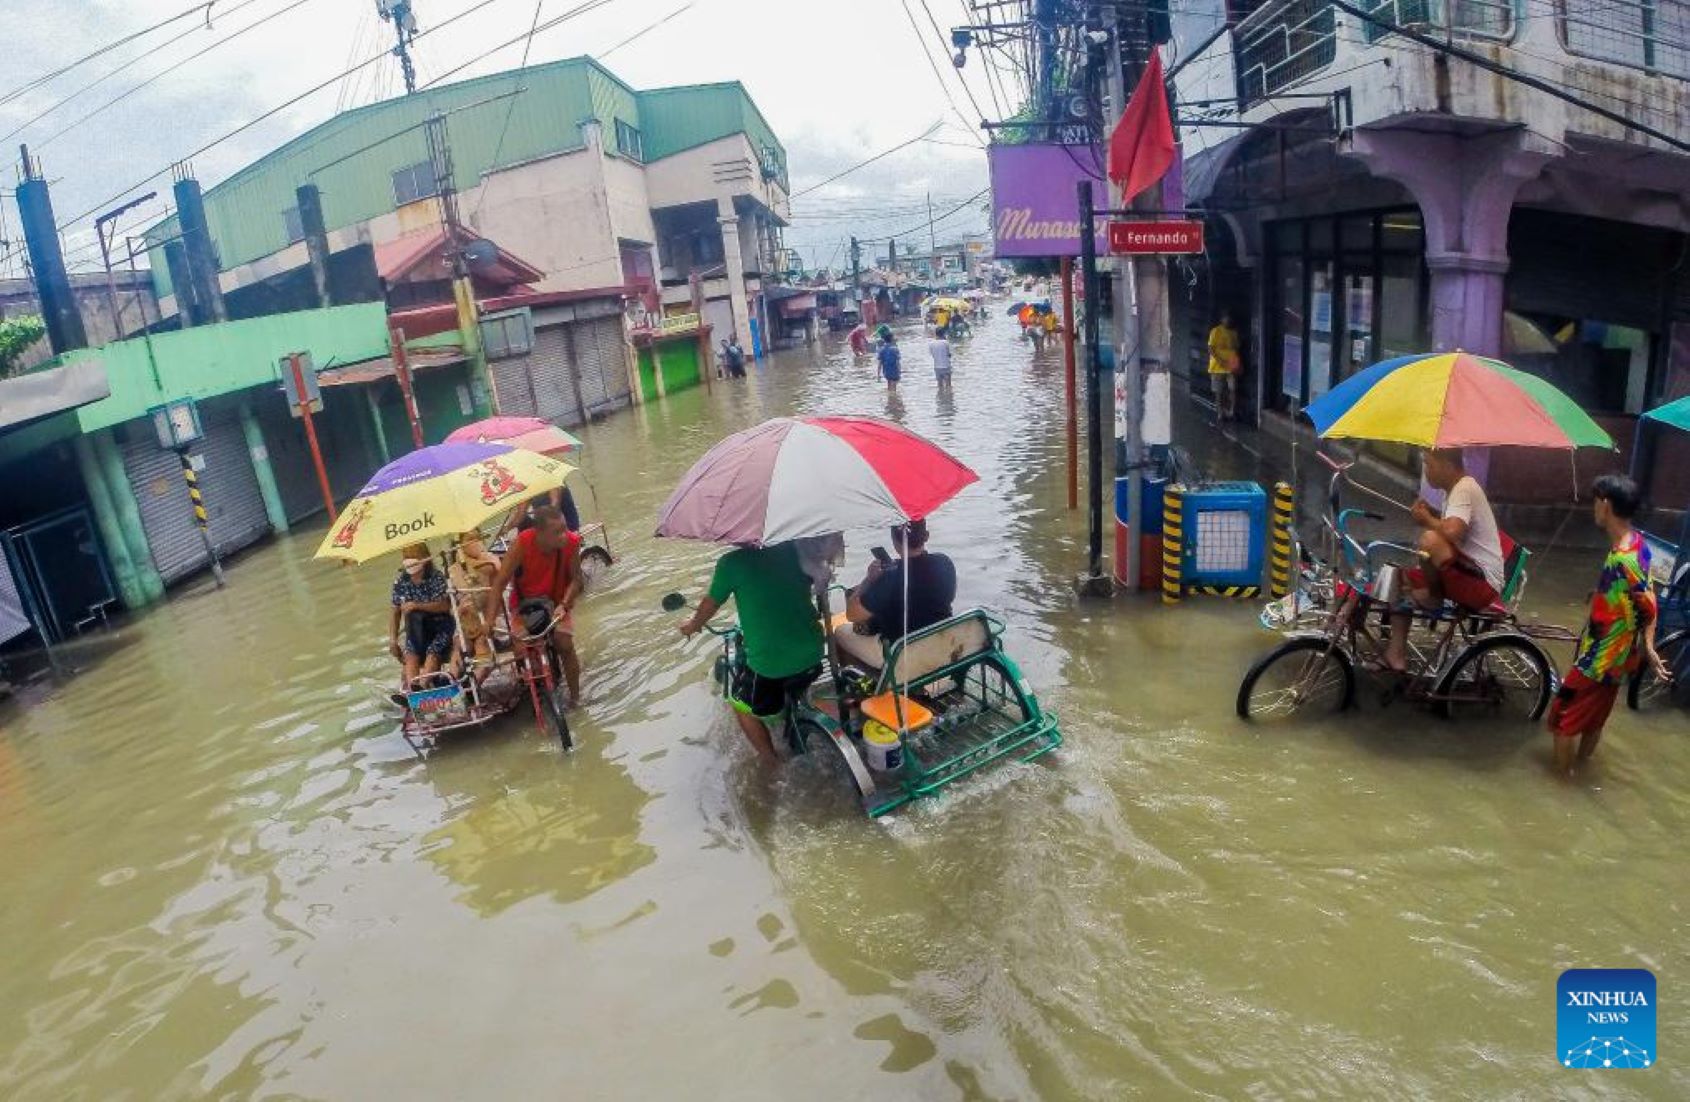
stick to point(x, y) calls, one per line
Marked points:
point(877, 607)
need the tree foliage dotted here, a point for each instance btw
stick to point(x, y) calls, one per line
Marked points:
point(16, 335)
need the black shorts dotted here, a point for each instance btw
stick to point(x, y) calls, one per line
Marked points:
point(766, 697)
point(429, 634)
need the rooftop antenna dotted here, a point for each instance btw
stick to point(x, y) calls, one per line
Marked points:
point(398, 12)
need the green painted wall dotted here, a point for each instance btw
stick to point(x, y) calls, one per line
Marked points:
point(677, 359)
point(678, 119)
point(220, 359)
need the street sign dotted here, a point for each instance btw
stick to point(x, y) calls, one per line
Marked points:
point(1155, 238)
point(177, 424)
point(290, 383)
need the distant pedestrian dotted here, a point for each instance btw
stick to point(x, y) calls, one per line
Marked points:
point(733, 358)
point(1224, 365)
point(890, 365)
point(859, 340)
point(1620, 635)
point(939, 347)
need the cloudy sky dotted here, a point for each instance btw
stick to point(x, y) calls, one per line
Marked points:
point(839, 80)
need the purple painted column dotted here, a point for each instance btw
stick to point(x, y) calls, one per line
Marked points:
point(1465, 186)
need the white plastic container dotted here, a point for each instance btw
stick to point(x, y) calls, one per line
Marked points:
point(883, 748)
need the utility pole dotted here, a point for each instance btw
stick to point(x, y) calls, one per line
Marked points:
point(932, 242)
point(463, 290)
point(1044, 14)
point(1093, 582)
point(100, 225)
point(398, 12)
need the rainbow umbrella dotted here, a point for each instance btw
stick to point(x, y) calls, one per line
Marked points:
point(1454, 400)
point(811, 476)
point(437, 492)
point(529, 433)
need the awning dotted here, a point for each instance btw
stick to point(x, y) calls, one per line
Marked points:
point(37, 394)
point(372, 371)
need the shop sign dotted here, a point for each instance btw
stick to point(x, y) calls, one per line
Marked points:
point(1155, 238)
point(1035, 197)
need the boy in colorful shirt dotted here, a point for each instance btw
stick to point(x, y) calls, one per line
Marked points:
point(1620, 635)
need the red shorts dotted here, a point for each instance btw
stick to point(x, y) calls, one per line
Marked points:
point(1581, 706)
point(1461, 582)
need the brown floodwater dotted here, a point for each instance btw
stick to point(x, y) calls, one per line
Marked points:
point(223, 872)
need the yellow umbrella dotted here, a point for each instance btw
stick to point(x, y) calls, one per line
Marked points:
point(438, 492)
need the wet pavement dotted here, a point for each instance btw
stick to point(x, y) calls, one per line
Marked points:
point(224, 872)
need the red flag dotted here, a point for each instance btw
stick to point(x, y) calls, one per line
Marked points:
point(1141, 148)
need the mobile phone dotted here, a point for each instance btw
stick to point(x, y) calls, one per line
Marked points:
point(881, 556)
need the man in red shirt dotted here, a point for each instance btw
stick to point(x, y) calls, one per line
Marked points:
point(543, 570)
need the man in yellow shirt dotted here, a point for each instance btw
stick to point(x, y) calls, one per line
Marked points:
point(1224, 365)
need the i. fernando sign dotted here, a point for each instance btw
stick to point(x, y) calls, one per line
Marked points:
point(1035, 197)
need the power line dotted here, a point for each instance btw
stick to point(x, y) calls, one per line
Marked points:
point(30, 86)
point(865, 163)
point(516, 79)
point(579, 9)
point(943, 41)
point(166, 71)
point(642, 32)
point(921, 40)
point(926, 222)
point(271, 113)
point(110, 73)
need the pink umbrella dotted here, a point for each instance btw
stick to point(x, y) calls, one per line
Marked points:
point(528, 433)
point(808, 476)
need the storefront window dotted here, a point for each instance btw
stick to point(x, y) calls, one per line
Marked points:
point(1601, 366)
point(1321, 321)
point(1400, 329)
point(1290, 348)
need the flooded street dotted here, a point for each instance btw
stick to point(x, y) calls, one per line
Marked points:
point(225, 873)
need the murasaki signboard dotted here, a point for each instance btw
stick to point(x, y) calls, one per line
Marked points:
point(1035, 197)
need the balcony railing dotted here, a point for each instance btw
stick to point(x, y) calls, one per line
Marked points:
point(1284, 42)
point(1280, 44)
point(1652, 35)
point(1468, 18)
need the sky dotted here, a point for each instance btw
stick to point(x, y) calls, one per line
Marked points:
point(838, 80)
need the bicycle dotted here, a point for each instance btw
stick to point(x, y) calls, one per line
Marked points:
point(1457, 660)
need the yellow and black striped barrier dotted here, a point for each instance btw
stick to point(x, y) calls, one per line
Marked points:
point(1279, 562)
point(1239, 591)
point(1173, 542)
point(193, 481)
point(201, 520)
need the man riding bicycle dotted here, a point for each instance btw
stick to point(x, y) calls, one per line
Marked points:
point(782, 630)
point(1461, 549)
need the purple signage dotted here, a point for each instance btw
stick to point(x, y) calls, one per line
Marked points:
point(1035, 201)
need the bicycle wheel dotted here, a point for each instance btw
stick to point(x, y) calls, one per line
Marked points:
point(1645, 692)
point(1501, 675)
point(551, 712)
point(1307, 676)
point(595, 562)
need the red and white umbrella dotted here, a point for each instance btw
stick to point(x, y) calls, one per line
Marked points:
point(808, 476)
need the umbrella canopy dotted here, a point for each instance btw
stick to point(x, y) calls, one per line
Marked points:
point(954, 305)
point(1454, 400)
point(437, 492)
point(809, 476)
point(528, 433)
point(1676, 414)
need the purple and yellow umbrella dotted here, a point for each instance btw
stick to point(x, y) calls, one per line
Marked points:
point(1454, 400)
point(437, 492)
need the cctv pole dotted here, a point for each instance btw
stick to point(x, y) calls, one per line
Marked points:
point(311, 433)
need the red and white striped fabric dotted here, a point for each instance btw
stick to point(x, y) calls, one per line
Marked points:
point(808, 476)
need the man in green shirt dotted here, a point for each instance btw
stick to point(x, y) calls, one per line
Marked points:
point(783, 633)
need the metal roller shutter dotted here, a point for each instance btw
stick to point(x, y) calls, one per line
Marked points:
point(229, 487)
point(346, 452)
point(554, 393)
point(604, 365)
point(516, 387)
